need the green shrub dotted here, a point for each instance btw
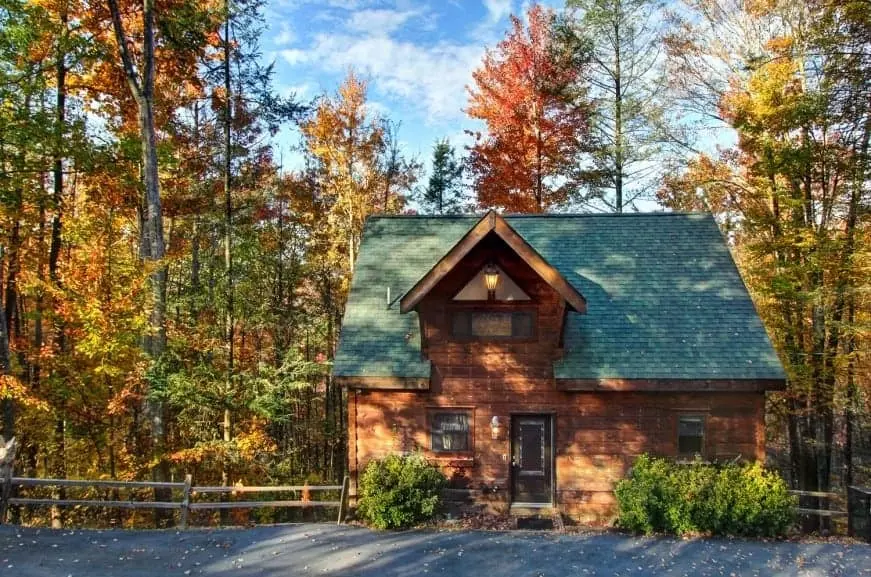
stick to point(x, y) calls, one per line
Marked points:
point(400, 491)
point(727, 499)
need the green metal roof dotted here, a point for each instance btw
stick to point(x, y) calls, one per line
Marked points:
point(664, 298)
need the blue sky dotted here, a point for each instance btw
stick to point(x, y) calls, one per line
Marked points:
point(417, 56)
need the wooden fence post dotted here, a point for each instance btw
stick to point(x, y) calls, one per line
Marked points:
point(7, 462)
point(346, 484)
point(186, 501)
point(5, 492)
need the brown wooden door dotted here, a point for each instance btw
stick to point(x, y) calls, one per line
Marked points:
point(531, 459)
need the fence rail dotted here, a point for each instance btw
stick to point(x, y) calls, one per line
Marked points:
point(185, 505)
point(829, 497)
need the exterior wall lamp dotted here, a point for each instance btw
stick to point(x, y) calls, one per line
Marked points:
point(495, 427)
point(491, 280)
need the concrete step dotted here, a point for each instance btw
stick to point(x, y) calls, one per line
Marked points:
point(538, 517)
point(531, 509)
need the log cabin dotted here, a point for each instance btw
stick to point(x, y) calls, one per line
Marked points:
point(534, 357)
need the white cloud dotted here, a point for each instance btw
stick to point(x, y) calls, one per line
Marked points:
point(432, 77)
point(377, 109)
point(285, 35)
point(294, 56)
point(497, 9)
point(301, 91)
point(378, 22)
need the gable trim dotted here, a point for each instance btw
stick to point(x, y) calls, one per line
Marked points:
point(492, 222)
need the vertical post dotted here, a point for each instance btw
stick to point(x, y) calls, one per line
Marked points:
point(7, 464)
point(5, 492)
point(346, 483)
point(852, 496)
point(185, 501)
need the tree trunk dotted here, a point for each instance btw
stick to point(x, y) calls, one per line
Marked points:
point(8, 420)
point(152, 245)
point(228, 249)
point(618, 122)
point(59, 457)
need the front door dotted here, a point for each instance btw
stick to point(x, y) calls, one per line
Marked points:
point(531, 459)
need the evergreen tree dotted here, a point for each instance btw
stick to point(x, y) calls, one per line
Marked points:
point(622, 39)
point(444, 194)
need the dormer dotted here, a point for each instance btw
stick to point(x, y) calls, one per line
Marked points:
point(492, 286)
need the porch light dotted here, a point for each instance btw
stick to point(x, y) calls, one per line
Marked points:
point(495, 426)
point(491, 280)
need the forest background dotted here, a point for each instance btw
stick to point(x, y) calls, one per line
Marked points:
point(172, 296)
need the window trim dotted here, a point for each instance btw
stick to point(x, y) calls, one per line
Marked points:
point(704, 448)
point(431, 412)
point(484, 307)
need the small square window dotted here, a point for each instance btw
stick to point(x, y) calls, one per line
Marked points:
point(450, 431)
point(690, 435)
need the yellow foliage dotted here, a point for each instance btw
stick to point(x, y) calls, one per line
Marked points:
point(11, 388)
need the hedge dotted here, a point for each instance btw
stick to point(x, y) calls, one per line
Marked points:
point(661, 496)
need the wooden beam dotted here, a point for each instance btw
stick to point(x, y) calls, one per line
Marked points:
point(671, 385)
point(31, 482)
point(822, 494)
point(384, 383)
point(492, 222)
point(267, 489)
point(96, 503)
point(259, 504)
point(822, 512)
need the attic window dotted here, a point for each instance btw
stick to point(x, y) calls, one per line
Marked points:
point(493, 324)
point(506, 288)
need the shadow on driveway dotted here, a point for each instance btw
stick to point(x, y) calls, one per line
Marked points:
point(289, 550)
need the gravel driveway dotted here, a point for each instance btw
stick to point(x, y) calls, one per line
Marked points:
point(314, 549)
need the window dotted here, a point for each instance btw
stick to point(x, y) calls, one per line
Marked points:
point(450, 431)
point(690, 435)
point(493, 324)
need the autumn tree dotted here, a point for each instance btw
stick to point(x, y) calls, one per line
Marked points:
point(444, 191)
point(527, 92)
point(622, 39)
point(247, 111)
point(348, 145)
point(792, 193)
point(77, 283)
point(140, 81)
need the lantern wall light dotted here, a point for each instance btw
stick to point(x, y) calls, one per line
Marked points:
point(491, 280)
point(495, 427)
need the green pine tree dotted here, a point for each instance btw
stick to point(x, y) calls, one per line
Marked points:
point(444, 194)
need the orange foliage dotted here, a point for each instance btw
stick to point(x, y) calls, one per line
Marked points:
point(524, 92)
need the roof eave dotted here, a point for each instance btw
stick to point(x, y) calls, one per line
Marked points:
point(754, 385)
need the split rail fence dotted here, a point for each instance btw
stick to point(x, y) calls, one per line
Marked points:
point(185, 505)
point(858, 509)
